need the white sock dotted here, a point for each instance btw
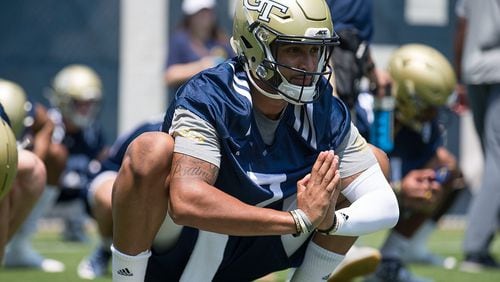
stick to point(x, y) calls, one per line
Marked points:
point(395, 246)
point(129, 268)
point(318, 264)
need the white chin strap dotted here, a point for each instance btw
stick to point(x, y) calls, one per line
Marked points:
point(290, 89)
point(82, 121)
point(295, 90)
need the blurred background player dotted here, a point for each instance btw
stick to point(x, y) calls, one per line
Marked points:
point(352, 59)
point(196, 44)
point(33, 131)
point(99, 200)
point(353, 65)
point(75, 97)
point(477, 55)
point(424, 173)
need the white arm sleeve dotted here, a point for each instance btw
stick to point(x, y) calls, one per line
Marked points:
point(374, 205)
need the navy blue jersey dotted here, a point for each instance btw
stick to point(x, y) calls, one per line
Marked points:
point(415, 149)
point(256, 173)
point(221, 97)
point(89, 142)
point(83, 146)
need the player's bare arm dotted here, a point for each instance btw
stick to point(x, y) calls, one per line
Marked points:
point(195, 202)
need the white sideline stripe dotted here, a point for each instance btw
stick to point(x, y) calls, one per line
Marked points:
point(205, 258)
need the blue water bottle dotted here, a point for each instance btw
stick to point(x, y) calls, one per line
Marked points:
point(382, 128)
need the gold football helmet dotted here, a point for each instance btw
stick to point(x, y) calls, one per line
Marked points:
point(260, 26)
point(8, 158)
point(77, 93)
point(13, 98)
point(423, 80)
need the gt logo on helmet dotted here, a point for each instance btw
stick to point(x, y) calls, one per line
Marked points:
point(264, 7)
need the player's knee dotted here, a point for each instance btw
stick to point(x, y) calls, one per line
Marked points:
point(102, 197)
point(150, 155)
point(32, 174)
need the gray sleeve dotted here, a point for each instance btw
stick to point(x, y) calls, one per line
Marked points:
point(195, 137)
point(354, 153)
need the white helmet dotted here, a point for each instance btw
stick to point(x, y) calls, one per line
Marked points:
point(77, 92)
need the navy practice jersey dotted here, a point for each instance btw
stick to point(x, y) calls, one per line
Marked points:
point(413, 150)
point(256, 173)
point(88, 141)
point(83, 146)
point(221, 97)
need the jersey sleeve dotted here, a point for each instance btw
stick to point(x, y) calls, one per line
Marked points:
point(354, 153)
point(195, 137)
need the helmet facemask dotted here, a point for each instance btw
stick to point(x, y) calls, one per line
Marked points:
point(82, 113)
point(413, 111)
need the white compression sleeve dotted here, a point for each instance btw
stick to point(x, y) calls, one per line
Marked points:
point(374, 205)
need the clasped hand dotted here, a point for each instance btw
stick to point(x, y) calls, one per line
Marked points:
point(318, 191)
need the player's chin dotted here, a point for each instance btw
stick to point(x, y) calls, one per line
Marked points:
point(301, 81)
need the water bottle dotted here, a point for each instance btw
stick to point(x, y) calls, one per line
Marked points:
point(382, 128)
point(443, 175)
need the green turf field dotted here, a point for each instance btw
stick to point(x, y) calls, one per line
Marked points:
point(445, 242)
